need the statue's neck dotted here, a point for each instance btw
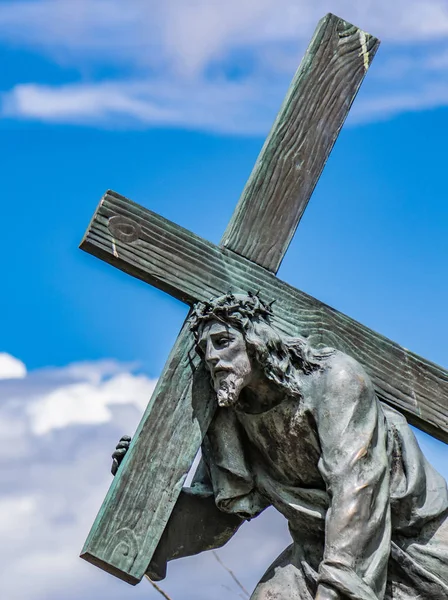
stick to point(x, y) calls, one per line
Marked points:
point(260, 396)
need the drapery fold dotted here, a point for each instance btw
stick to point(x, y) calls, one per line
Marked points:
point(379, 493)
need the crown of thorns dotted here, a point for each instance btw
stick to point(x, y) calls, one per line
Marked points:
point(231, 308)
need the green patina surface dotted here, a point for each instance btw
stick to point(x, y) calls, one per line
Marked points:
point(142, 496)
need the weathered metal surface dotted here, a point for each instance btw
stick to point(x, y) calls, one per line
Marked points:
point(301, 139)
point(192, 269)
point(140, 500)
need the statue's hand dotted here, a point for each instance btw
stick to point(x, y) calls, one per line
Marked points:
point(120, 451)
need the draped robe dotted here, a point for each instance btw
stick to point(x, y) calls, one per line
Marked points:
point(367, 513)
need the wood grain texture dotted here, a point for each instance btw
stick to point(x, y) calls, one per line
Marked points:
point(192, 269)
point(300, 141)
point(139, 503)
point(142, 496)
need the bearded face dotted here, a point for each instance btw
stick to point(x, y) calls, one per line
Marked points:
point(226, 357)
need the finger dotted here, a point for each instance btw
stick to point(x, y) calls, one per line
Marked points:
point(114, 467)
point(125, 438)
point(122, 445)
point(118, 454)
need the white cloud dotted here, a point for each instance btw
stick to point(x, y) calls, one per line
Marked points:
point(52, 399)
point(223, 106)
point(191, 33)
point(85, 394)
point(88, 403)
point(174, 62)
point(384, 107)
point(17, 509)
point(93, 372)
point(54, 474)
point(11, 367)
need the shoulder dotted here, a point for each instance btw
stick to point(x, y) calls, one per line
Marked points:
point(343, 379)
point(342, 370)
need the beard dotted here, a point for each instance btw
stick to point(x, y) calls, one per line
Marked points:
point(228, 389)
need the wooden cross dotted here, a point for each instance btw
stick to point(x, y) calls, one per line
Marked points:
point(142, 495)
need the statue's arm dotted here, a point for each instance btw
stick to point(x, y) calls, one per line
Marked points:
point(354, 465)
point(195, 525)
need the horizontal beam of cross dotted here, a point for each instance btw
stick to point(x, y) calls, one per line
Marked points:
point(192, 269)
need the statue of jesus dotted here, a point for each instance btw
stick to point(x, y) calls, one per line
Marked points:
point(301, 429)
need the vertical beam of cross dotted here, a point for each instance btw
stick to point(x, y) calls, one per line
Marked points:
point(194, 270)
point(142, 495)
point(300, 141)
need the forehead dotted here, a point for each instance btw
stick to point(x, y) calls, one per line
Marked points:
point(213, 327)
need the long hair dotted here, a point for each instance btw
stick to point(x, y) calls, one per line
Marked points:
point(282, 359)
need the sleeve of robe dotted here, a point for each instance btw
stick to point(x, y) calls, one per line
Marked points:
point(355, 467)
point(195, 525)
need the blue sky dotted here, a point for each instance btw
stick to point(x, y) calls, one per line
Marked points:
point(169, 106)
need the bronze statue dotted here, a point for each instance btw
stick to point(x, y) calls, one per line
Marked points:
point(301, 429)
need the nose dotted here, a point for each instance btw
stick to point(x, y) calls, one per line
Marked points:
point(211, 354)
